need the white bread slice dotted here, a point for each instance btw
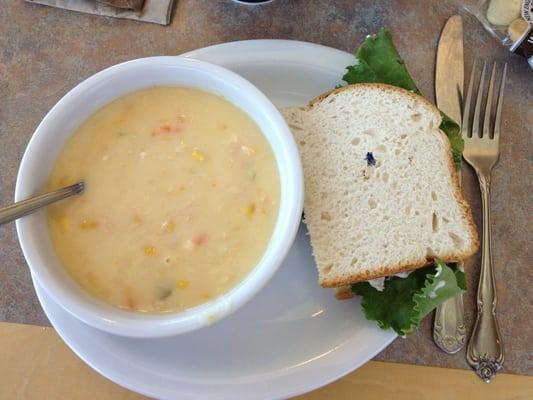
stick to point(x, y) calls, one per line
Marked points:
point(368, 221)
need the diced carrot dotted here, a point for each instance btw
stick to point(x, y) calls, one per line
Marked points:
point(199, 239)
point(130, 303)
point(166, 129)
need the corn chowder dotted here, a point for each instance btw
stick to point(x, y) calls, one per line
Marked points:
point(182, 194)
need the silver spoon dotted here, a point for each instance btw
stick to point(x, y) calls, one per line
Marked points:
point(25, 207)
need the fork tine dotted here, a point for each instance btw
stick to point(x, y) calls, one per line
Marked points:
point(498, 121)
point(488, 105)
point(479, 98)
point(466, 110)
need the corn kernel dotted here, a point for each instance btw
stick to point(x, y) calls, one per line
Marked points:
point(119, 120)
point(88, 224)
point(250, 209)
point(149, 250)
point(63, 223)
point(247, 150)
point(197, 155)
point(168, 226)
point(91, 278)
point(182, 284)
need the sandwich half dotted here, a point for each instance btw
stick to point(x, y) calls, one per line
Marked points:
point(381, 192)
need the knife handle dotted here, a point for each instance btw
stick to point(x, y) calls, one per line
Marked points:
point(449, 331)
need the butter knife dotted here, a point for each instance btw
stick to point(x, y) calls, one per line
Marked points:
point(449, 332)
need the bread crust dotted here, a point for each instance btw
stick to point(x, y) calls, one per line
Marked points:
point(383, 86)
point(388, 270)
point(343, 293)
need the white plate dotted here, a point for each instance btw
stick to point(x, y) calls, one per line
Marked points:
point(293, 337)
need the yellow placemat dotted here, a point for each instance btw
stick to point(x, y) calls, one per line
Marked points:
point(36, 364)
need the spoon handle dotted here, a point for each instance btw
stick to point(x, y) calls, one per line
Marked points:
point(25, 207)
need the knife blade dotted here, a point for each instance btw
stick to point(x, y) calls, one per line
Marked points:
point(449, 332)
point(449, 71)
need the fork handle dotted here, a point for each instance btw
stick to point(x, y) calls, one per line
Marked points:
point(485, 348)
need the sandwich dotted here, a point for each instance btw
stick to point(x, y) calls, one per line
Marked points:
point(383, 206)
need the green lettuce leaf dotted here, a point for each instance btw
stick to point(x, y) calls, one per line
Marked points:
point(453, 131)
point(378, 61)
point(405, 301)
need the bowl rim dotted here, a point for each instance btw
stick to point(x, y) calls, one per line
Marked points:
point(134, 324)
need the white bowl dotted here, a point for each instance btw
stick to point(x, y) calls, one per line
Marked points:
point(78, 105)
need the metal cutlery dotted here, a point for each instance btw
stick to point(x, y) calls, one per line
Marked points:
point(482, 149)
point(25, 207)
point(449, 332)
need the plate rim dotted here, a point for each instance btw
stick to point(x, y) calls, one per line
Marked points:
point(273, 45)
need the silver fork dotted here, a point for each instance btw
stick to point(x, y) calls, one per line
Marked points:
point(482, 150)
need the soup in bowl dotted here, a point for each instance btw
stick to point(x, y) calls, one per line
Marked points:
point(181, 197)
point(193, 196)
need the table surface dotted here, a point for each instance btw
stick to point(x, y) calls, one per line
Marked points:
point(44, 52)
point(52, 371)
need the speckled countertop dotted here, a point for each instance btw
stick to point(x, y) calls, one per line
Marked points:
point(44, 52)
